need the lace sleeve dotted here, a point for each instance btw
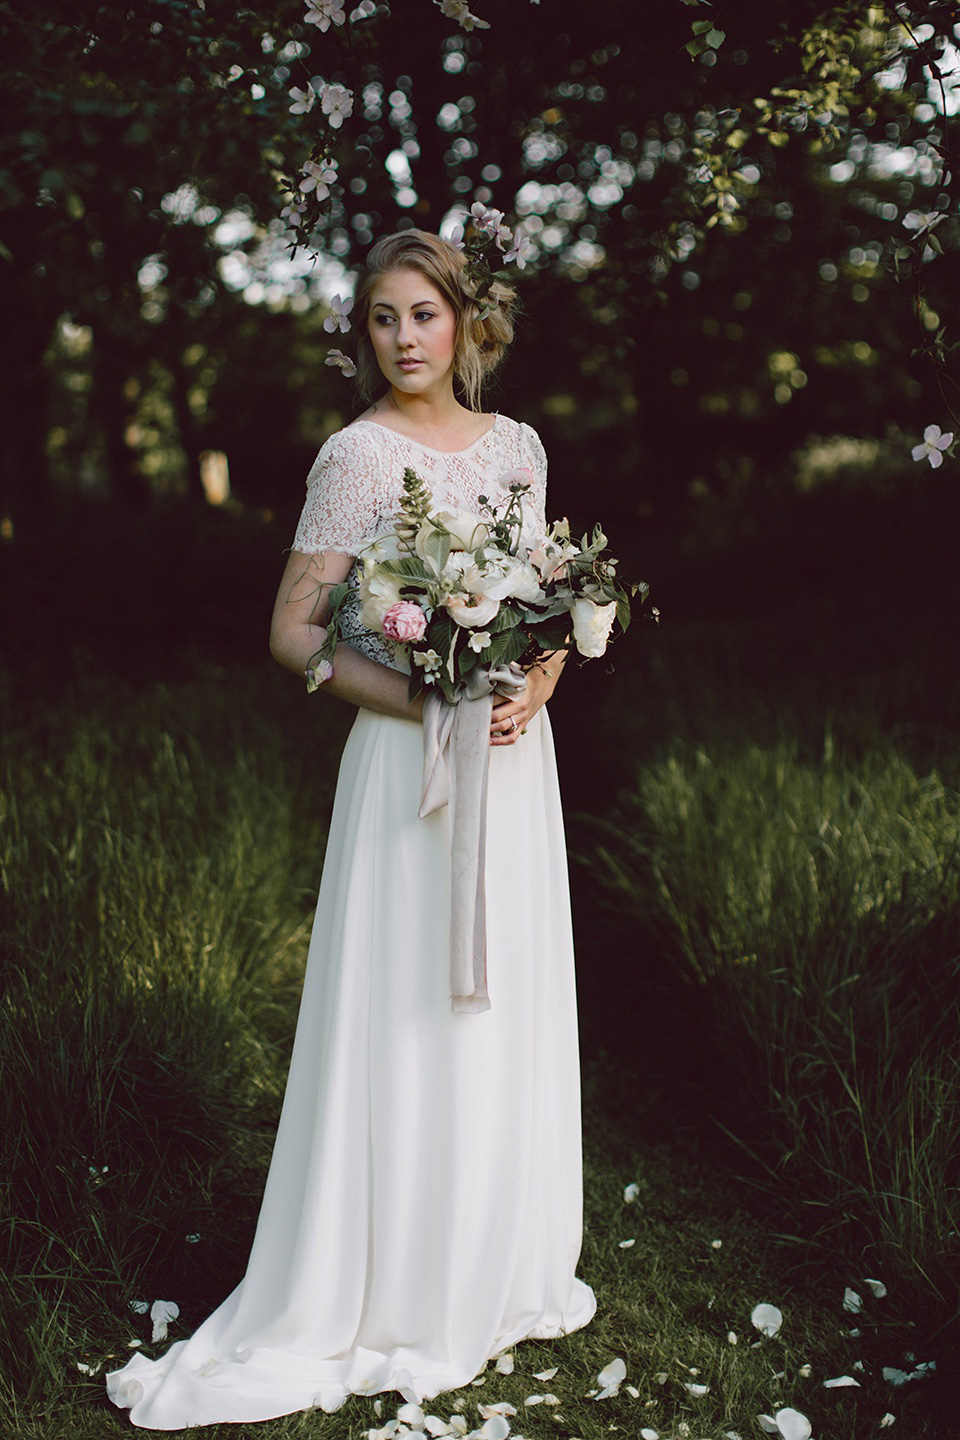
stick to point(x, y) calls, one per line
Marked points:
point(350, 497)
point(536, 460)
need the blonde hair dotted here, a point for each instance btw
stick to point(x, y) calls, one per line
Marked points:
point(480, 344)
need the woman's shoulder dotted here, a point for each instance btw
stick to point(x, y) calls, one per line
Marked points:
point(350, 445)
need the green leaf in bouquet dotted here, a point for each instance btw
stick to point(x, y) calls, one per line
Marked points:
point(623, 611)
point(437, 548)
point(505, 619)
point(407, 568)
point(553, 635)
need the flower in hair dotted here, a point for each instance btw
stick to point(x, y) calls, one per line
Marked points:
point(339, 311)
point(342, 362)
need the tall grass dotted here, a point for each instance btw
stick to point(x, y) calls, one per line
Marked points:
point(813, 904)
point(157, 867)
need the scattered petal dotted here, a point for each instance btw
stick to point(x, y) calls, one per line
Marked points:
point(767, 1319)
point(791, 1425)
point(496, 1428)
point(139, 1307)
point(877, 1288)
point(887, 1420)
point(630, 1193)
point(614, 1373)
point(134, 1344)
point(716, 1244)
point(805, 1371)
point(852, 1301)
point(192, 1239)
point(731, 1337)
point(895, 1376)
point(661, 1377)
point(546, 1374)
point(626, 1244)
point(502, 1407)
point(696, 1390)
point(647, 1434)
point(342, 362)
point(840, 1382)
point(504, 1363)
point(632, 1391)
point(767, 1423)
point(87, 1369)
point(161, 1313)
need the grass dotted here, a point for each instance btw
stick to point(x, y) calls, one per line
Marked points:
point(159, 857)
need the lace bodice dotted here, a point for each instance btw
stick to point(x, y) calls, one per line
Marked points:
point(354, 488)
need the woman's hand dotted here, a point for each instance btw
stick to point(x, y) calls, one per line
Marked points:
point(512, 716)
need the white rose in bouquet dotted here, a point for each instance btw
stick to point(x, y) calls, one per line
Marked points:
point(378, 591)
point(510, 578)
point(466, 530)
point(472, 610)
point(592, 624)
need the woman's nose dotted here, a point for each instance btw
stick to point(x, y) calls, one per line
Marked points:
point(404, 334)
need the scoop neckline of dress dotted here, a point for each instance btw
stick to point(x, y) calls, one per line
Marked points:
point(432, 448)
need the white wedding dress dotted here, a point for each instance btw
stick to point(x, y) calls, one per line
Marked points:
point(423, 1207)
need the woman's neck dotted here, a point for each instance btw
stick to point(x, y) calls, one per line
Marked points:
point(430, 417)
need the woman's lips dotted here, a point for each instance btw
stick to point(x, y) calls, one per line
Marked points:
point(409, 364)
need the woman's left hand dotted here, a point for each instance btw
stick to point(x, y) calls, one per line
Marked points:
point(512, 716)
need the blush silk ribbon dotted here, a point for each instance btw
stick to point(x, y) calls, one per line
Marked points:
point(456, 762)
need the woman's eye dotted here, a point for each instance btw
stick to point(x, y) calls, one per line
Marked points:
point(424, 315)
point(383, 319)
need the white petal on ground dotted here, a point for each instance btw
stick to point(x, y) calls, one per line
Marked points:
point(546, 1374)
point(887, 1420)
point(805, 1371)
point(854, 1333)
point(647, 1434)
point(852, 1301)
point(502, 1407)
point(840, 1382)
point(767, 1423)
point(877, 1288)
point(732, 1435)
point(161, 1313)
point(140, 1307)
point(626, 1244)
point(614, 1373)
point(87, 1369)
point(696, 1390)
point(504, 1364)
point(534, 1400)
point(411, 1414)
point(895, 1376)
point(435, 1426)
point(632, 1391)
point(630, 1193)
point(496, 1428)
point(767, 1319)
point(661, 1377)
point(792, 1425)
point(716, 1244)
point(731, 1337)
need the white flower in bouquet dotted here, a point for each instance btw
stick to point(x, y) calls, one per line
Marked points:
point(592, 624)
point(378, 591)
point(466, 530)
point(508, 577)
point(472, 610)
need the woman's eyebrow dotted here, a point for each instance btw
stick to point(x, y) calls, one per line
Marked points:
point(385, 304)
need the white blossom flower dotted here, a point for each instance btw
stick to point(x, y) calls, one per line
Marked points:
point(336, 102)
point(923, 220)
point(324, 13)
point(767, 1319)
point(478, 642)
point(342, 362)
point(459, 10)
point(521, 250)
point(933, 446)
point(318, 176)
point(161, 1313)
point(293, 214)
point(787, 1423)
point(431, 663)
point(490, 223)
point(455, 238)
point(339, 310)
point(303, 100)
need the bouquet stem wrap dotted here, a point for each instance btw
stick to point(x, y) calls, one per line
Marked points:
point(456, 762)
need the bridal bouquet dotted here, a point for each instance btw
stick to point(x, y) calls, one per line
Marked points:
point(464, 590)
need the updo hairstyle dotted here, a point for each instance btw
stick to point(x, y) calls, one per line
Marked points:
point(480, 344)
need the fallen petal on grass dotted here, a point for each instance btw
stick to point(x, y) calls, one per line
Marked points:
point(852, 1301)
point(887, 1420)
point(626, 1244)
point(161, 1313)
point(504, 1363)
point(840, 1382)
point(877, 1288)
point(546, 1374)
point(696, 1390)
point(630, 1193)
point(767, 1319)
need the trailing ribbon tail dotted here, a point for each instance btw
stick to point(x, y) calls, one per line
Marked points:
point(456, 762)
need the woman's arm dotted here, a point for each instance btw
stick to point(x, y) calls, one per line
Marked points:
point(297, 632)
point(542, 680)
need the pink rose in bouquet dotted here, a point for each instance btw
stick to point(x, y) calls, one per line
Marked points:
point(404, 622)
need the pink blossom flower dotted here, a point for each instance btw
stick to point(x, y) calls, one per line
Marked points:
point(404, 622)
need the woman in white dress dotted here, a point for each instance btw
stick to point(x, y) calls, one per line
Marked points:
point(423, 1208)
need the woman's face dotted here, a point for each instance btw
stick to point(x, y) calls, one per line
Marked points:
point(413, 330)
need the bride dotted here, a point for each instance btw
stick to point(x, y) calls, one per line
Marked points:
point(423, 1207)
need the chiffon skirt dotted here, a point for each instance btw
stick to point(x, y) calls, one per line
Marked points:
point(423, 1206)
